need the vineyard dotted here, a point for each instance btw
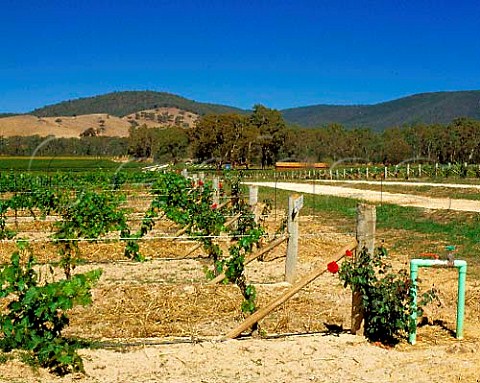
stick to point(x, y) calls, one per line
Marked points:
point(414, 171)
point(135, 259)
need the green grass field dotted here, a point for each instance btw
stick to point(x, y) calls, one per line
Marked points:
point(64, 164)
point(414, 230)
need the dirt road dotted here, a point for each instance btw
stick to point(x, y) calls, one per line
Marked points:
point(377, 196)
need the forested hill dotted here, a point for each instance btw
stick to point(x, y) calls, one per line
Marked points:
point(123, 103)
point(8, 114)
point(429, 108)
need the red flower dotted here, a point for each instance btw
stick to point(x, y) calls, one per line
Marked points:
point(200, 183)
point(349, 253)
point(214, 206)
point(333, 267)
point(220, 185)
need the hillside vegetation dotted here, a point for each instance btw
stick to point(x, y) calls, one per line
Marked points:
point(123, 103)
point(7, 114)
point(427, 108)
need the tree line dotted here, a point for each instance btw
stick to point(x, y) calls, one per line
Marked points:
point(262, 137)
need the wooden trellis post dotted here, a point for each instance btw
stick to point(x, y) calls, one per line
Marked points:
point(295, 203)
point(365, 233)
point(252, 195)
point(253, 201)
point(216, 190)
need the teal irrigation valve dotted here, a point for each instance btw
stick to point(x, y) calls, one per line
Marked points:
point(415, 264)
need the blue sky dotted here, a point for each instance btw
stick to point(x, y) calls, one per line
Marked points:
point(277, 53)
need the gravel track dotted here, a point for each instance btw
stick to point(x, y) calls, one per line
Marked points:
point(379, 197)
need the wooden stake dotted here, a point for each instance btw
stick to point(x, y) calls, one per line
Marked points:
point(252, 195)
point(198, 245)
point(366, 222)
point(216, 190)
point(295, 203)
point(273, 304)
point(233, 219)
point(252, 257)
point(180, 232)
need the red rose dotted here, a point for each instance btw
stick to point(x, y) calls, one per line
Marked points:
point(200, 183)
point(214, 206)
point(349, 253)
point(333, 267)
point(220, 185)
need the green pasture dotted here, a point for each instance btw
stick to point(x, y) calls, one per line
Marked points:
point(407, 230)
point(64, 164)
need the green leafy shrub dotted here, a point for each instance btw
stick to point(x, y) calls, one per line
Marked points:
point(386, 295)
point(89, 215)
point(35, 315)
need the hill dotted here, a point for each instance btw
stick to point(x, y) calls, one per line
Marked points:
point(124, 103)
point(96, 124)
point(112, 114)
point(429, 108)
point(8, 114)
point(66, 126)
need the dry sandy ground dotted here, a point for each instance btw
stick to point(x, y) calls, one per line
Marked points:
point(377, 196)
point(313, 358)
point(170, 297)
point(317, 357)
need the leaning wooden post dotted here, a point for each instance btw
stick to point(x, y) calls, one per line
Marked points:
point(295, 203)
point(366, 222)
point(273, 304)
point(252, 257)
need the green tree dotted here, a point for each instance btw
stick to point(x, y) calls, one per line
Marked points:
point(271, 130)
point(224, 138)
point(171, 144)
point(395, 147)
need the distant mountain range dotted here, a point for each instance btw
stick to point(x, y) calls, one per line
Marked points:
point(150, 107)
point(429, 108)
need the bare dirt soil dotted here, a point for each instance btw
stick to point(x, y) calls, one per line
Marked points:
point(159, 322)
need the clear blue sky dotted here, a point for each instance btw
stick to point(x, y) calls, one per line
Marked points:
point(278, 53)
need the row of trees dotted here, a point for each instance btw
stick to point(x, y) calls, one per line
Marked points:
point(262, 138)
point(458, 141)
